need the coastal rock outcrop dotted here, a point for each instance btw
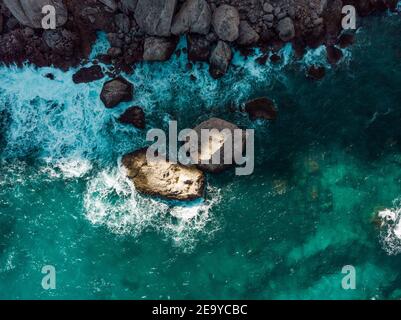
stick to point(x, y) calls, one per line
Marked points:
point(261, 108)
point(159, 48)
point(220, 59)
point(215, 145)
point(29, 12)
point(226, 22)
point(154, 17)
point(194, 16)
point(161, 178)
point(316, 72)
point(115, 91)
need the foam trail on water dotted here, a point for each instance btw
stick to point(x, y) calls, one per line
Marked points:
point(390, 223)
point(111, 200)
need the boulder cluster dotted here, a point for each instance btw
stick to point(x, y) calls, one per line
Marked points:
point(148, 30)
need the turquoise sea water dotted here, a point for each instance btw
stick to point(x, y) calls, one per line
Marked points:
point(323, 169)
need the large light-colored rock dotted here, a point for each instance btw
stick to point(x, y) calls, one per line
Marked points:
point(29, 12)
point(216, 143)
point(220, 59)
point(194, 16)
point(158, 48)
point(154, 17)
point(162, 178)
point(226, 22)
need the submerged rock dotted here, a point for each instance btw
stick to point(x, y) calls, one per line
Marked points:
point(316, 72)
point(115, 91)
point(261, 108)
point(85, 75)
point(198, 48)
point(334, 54)
point(134, 116)
point(162, 178)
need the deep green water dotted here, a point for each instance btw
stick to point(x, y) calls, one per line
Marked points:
point(330, 161)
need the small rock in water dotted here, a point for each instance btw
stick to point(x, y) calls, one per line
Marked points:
point(220, 59)
point(346, 40)
point(316, 72)
point(161, 178)
point(261, 108)
point(49, 76)
point(115, 91)
point(333, 54)
point(215, 145)
point(275, 58)
point(134, 116)
point(86, 75)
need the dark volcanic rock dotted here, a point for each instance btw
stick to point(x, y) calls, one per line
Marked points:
point(115, 91)
point(134, 116)
point(333, 54)
point(316, 72)
point(61, 41)
point(155, 16)
point(286, 29)
point(194, 16)
point(346, 40)
point(220, 59)
point(158, 48)
point(198, 48)
point(85, 75)
point(226, 22)
point(261, 108)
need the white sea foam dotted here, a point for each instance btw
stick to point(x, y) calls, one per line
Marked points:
point(66, 127)
point(112, 201)
point(390, 232)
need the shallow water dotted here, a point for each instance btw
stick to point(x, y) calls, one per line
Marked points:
point(323, 170)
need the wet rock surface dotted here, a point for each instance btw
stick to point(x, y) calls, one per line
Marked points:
point(163, 179)
point(116, 91)
point(141, 29)
point(133, 116)
point(85, 75)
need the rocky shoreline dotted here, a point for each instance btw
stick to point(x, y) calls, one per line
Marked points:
point(148, 30)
